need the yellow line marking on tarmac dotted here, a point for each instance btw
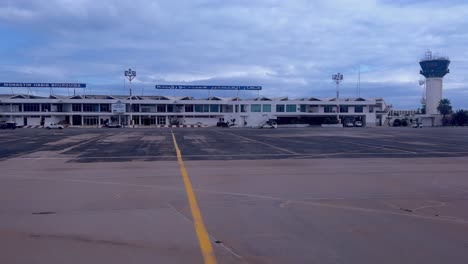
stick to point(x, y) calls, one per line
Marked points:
point(202, 234)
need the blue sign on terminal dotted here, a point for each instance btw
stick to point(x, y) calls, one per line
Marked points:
point(43, 85)
point(209, 87)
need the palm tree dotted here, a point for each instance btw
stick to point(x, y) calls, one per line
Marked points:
point(460, 117)
point(444, 108)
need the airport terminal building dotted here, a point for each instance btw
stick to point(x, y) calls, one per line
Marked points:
point(97, 110)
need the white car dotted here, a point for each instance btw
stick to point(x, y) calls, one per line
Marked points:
point(269, 124)
point(358, 123)
point(54, 126)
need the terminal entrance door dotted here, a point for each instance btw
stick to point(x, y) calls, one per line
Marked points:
point(161, 120)
point(76, 120)
point(148, 120)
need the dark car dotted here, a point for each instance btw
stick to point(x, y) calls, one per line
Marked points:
point(222, 124)
point(8, 125)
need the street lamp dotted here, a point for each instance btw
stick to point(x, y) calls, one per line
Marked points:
point(130, 76)
point(338, 78)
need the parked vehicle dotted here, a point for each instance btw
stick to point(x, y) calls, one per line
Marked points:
point(358, 123)
point(113, 126)
point(269, 124)
point(54, 126)
point(348, 124)
point(222, 124)
point(7, 125)
point(416, 125)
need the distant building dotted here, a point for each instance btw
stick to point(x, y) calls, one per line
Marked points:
point(96, 110)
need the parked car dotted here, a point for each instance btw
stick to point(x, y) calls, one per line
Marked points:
point(113, 125)
point(348, 124)
point(358, 123)
point(269, 124)
point(222, 124)
point(54, 126)
point(7, 125)
point(416, 125)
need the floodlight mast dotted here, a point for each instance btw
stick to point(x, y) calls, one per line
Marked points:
point(130, 76)
point(338, 78)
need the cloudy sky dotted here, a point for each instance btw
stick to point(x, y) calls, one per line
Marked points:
point(291, 47)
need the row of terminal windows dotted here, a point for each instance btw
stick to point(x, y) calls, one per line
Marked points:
point(343, 109)
point(91, 108)
point(37, 108)
point(162, 108)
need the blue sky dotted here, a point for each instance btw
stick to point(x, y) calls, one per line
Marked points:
point(291, 48)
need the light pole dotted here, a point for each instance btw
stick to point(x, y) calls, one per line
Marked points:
point(130, 75)
point(338, 78)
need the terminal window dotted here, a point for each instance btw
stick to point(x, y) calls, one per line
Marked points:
point(105, 108)
point(255, 108)
point(188, 108)
point(90, 108)
point(135, 108)
point(328, 109)
point(243, 108)
point(170, 108)
point(303, 108)
point(358, 109)
point(198, 108)
point(31, 108)
point(76, 107)
point(161, 108)
point(279, 108)
point(214, 108)
point(266, 108)
point(291, 108)
point(45, 107)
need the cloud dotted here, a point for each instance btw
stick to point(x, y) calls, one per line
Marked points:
point(289, 47)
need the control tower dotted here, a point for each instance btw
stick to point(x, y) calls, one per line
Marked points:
point(434, 68)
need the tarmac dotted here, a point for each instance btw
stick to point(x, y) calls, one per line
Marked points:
point(296, 195)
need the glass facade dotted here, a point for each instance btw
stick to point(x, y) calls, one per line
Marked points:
point(328, 109)
point(90, 120)
point(135, 108)
point(31, 107)
point(291, 108)
point(105, 108)
point(170, 108)
point(161, 108)
point(266, 108)
point(303, 108)
point(147, 108)
point(76, 107)
point(256, 108)
point(45, 107)
point(214, 108)
point(90, 108)
point(279, 108)
point(189, 108)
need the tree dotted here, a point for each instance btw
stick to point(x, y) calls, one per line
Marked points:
point(460, 117)
point(444, 108)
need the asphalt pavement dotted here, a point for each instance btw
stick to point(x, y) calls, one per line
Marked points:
point(305, 195)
